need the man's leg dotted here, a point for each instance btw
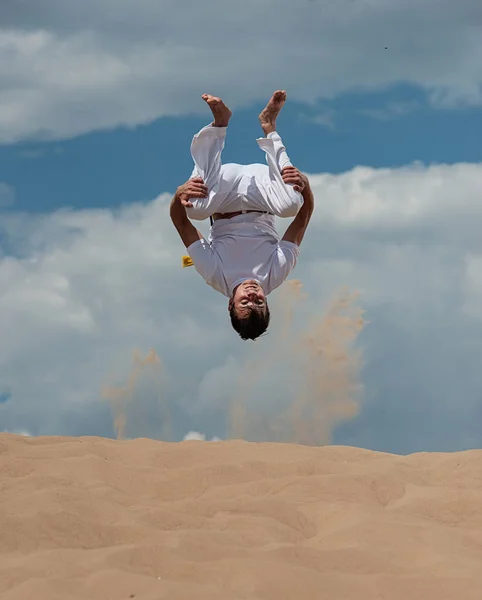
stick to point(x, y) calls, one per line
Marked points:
point(206, 150)
point(281, 199)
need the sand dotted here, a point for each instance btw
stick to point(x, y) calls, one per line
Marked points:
point(93, 518)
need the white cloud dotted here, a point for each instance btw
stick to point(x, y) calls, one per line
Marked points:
point(20, 432)
point(82, 289)
point(201, 437)
point(473, 285)
point(67, 69)
point(393, 109)
point(7, 195)
point(325, 119)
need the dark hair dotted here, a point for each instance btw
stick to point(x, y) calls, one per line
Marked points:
point(252, 326)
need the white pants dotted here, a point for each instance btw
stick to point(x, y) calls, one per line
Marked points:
point(234, 187)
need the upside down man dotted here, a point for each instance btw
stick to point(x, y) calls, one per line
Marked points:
point(244, 258)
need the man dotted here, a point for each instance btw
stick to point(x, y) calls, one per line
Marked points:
point(244, 259)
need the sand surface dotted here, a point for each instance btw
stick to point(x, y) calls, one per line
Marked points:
point(100, 519)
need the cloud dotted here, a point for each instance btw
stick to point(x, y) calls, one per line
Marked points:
point(67, 69)
point(392, 110)
point(7, 195)
point(42, 152)
point(82, 290)
point(325, 119)
point(201, 437)
point(20, 432)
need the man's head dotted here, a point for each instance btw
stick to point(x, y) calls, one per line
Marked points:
point(249, 310)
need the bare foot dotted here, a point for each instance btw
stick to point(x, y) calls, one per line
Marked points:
point(221, 112)
point(268, 115)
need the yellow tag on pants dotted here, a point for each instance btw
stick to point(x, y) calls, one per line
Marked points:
point(186, 262)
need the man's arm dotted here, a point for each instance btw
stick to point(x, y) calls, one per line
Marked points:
point(296, 230)
point(194, 188)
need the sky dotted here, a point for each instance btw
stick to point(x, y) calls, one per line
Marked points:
point(102, 331)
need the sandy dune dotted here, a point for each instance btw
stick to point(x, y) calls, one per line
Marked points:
point(99, 519)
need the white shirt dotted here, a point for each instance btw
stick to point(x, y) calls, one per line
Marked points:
point(244, 247)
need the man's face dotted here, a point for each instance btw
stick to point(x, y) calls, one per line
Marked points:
point(249, 295)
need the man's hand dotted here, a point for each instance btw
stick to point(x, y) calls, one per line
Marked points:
point(297, 229)
point(291, 176)
point(194, 188)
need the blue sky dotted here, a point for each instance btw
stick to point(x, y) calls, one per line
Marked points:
point(108, 168)
point(384, 112)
